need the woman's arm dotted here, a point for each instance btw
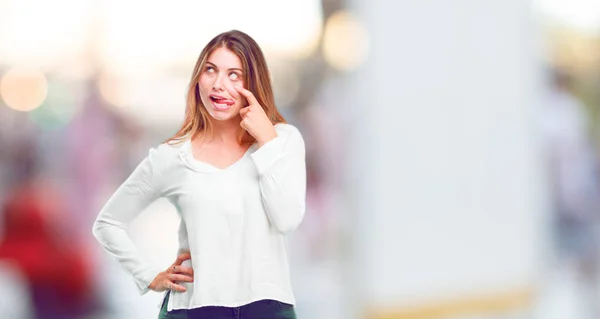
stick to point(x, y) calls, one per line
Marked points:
point(281, 167)
point(131, 198)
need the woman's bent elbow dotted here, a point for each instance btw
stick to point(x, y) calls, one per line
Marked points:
point(97, 229)
point(290, 223)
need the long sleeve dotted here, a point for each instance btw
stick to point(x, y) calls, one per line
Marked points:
point(281, 167)
point(110, 227)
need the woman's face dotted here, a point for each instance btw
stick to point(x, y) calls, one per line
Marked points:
point(222, 72)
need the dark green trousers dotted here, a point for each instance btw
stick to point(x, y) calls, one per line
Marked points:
point(262, 309)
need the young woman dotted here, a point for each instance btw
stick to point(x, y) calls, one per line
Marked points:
point(236, 173)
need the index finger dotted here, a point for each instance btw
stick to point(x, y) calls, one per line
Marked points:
point(182, 257)
point(248, 95)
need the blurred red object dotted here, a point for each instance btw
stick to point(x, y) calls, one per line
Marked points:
point(54, 264)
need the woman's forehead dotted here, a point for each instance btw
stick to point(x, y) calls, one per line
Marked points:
point(224, 58)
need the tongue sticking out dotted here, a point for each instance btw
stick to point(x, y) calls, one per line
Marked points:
point(224, 101)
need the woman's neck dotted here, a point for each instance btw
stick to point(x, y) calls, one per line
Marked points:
point(223, 132)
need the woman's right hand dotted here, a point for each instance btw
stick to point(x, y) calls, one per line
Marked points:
point(169, 278)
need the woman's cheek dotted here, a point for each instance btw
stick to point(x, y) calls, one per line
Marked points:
point(203, 84)
point(230, 87)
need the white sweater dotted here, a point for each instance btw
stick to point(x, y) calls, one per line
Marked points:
point(233, 220)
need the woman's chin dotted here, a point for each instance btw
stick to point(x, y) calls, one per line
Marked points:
point(222, 116)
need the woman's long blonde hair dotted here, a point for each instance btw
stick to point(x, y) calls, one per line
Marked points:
point(256, 79)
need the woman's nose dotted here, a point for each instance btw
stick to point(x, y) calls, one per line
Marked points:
point(217, 84)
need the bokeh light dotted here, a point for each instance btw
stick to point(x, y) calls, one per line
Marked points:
point(23, 89)
point(111, 89)
point(57, 110)
point(345, 41)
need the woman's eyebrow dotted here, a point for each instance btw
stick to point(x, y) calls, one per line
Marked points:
point(238, 69)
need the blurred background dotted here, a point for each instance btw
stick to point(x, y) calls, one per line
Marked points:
point(452, 150)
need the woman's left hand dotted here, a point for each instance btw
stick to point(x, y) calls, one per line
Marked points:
point(255, 120)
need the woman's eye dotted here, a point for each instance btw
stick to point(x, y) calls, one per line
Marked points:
point(234, 76)
point(210, 69)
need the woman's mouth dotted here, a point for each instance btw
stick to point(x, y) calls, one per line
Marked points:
point(220, 103)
